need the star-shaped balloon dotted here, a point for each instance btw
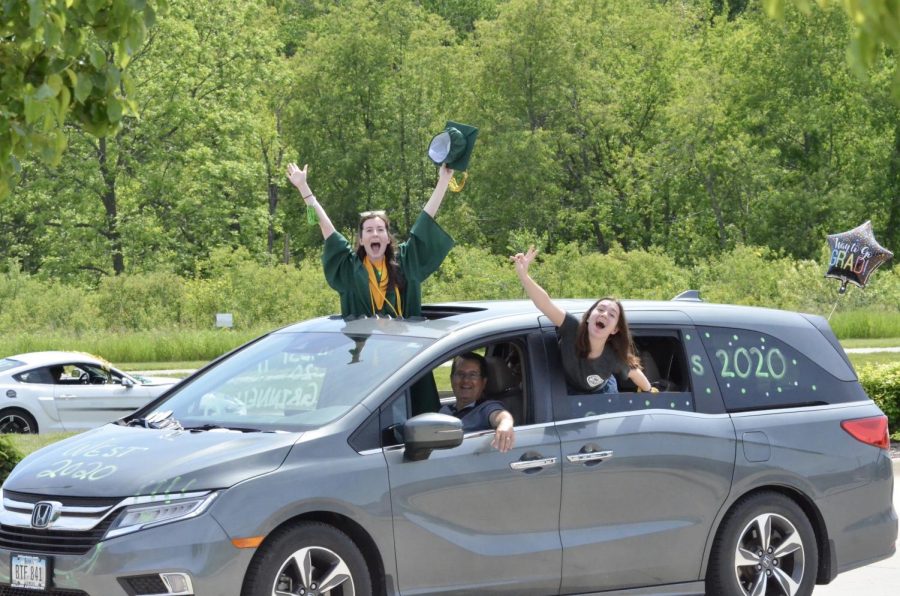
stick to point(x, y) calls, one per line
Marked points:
point(855, 255)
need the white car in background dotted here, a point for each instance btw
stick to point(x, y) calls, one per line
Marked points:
point(69, 391)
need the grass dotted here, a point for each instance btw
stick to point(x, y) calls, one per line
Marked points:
point(175, 365)
point(881, 342)
point(866, 324)
point(25, 444)
point(874, 358)
point(133, 346)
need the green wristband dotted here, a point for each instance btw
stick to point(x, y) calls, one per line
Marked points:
point(311, 218)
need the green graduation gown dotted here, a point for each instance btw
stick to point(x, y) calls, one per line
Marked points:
point(419, 257)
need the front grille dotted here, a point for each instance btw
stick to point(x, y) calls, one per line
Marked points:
point(53, 542)
point(9, 591)
point(67, 501)
point(82, 524)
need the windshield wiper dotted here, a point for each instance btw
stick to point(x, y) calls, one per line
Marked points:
point(204, 427)
point(160, 420)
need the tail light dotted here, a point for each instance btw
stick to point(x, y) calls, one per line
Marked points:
point(871, 431)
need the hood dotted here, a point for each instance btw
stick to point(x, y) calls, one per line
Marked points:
point(121, 461)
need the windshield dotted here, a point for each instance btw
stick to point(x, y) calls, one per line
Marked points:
point(289, 381)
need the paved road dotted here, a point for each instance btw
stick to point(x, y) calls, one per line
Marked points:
point(877, 579)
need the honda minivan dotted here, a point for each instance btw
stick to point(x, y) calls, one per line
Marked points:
point(313, 461)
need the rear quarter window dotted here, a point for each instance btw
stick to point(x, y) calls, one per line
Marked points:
point(757, 370)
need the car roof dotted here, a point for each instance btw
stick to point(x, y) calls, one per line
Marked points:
point(806, 332)
point(56, 357)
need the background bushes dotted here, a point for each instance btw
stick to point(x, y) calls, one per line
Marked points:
point(882, 383)
point(262, 295)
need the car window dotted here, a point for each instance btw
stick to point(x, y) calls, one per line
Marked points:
point(506, 382)
point(665, 364)
point(8, 363)
point(40, 375)
point(756, 370)
point(291, 381)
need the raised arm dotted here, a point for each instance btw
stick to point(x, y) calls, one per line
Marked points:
point(440, 189)
point(537, 294)
point(298, 179)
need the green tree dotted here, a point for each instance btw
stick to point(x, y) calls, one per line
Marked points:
point(176, 180)
point(373, 82)
point(571, 94)
point(60, 59)
point(876, 26)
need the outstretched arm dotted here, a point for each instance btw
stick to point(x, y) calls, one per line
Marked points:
point(537, 294)
point(298, 179)
point(505, 436)
point(440, 189)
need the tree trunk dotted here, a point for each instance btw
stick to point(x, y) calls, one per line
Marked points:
point(710, 184)
point(111, 230)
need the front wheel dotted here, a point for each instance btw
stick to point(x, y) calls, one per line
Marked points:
point(308, 558)
point(765, 547)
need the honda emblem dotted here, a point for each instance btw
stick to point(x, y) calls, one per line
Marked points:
point(45, 513)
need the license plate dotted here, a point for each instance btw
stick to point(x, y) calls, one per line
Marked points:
point(29, 571)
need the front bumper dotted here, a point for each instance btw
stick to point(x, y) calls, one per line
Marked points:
point(197, 547)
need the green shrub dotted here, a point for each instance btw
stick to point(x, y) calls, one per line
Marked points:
point(38, 314)
point(9, 457)
point(882, 383)
point(139, 301)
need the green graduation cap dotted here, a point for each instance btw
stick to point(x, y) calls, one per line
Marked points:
point(453, 146)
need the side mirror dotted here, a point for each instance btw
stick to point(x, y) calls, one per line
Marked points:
point(127, 383)
point(426, 432)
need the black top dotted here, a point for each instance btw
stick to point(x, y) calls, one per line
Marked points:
point(586, 374)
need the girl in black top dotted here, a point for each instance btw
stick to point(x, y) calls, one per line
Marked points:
point(589, 366)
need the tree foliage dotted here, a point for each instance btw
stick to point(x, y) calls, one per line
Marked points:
point(684, 130)
point(876, 26)
point(65, 59)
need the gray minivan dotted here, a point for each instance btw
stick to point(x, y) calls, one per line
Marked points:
point(312, 461)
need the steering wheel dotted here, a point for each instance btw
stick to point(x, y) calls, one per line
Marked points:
point(84, 378)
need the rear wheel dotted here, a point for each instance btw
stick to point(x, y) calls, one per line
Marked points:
point(310, 559)
point(765, 547)
point(14, 420)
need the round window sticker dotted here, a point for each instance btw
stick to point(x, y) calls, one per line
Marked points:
point(10, 393)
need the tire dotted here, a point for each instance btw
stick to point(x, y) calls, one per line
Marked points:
point(16, 420)
point(765, 546)
point(308, 558)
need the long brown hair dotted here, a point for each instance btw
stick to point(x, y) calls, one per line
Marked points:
point(395, 275)
point(621, 341)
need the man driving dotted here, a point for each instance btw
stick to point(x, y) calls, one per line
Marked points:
point(468, 377)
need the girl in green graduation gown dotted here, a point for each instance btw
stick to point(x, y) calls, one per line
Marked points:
point(378, 277)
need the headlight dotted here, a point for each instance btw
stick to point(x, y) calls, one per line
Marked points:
point(150, 511)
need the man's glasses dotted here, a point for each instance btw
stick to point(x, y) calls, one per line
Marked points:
point(469, 376)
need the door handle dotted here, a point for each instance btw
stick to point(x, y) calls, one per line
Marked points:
point(589, 456)
point(66, 396)
point(530, 464)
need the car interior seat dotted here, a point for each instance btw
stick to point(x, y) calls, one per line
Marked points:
point(651, 371)
point(505, 386)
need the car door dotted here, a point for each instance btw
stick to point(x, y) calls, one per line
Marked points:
point(88, 396)
point(644, 475)
point(472, 520)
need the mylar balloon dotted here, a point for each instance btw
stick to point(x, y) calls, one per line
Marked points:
point(855, 255)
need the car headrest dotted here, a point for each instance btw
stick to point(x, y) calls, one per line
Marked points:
point(500, 377)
